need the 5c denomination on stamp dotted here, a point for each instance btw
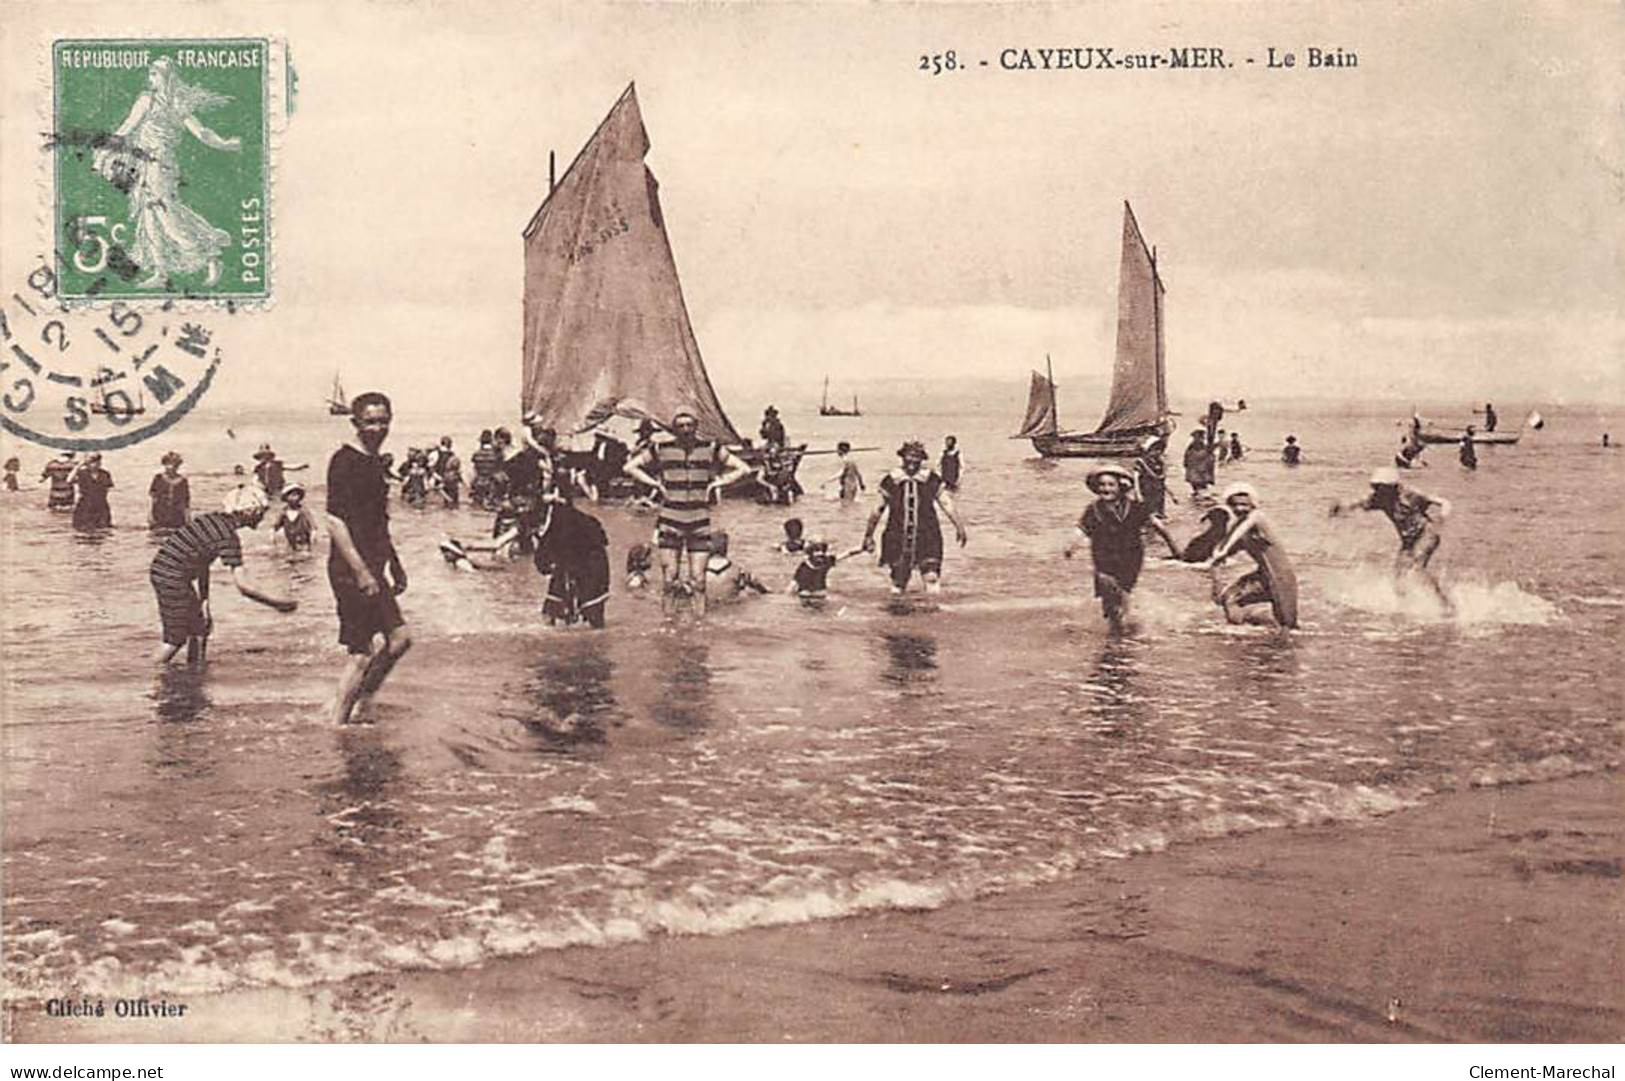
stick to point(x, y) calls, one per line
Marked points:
point(162, 171)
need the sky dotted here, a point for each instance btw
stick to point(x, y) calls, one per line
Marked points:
point(1443, 220)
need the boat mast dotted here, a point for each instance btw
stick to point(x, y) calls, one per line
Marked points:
point(825, 404)
point(1054, 405)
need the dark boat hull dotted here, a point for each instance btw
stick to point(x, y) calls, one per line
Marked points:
point(831, 411)
point(1124, 444)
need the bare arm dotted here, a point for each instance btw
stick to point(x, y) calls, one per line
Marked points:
point(1160, 527)
point(946, 502)
point(1222, 553)
point(137, 112)
point(207, 137)
point(874, 520)
point(733, 468)
point(638, 469)
point(249, 590)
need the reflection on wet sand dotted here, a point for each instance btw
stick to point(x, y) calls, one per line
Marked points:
point(570, 690)
point(911, 659)
point(180, 702)
point(687, 704)
point(361, 804)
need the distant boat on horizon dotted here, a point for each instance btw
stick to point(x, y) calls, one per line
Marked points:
point(827, 410)
point(100, 406)
point(337, 404)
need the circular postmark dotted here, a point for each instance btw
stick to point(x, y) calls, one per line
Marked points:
point(94, 379)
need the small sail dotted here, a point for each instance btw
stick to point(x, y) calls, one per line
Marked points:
point(1139, 397)
point(1040, 418)
point(605, 326)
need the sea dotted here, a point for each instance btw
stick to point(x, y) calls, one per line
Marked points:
point(520, 789)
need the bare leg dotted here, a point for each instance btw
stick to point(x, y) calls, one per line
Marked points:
point(365, 673)
point(669, 577)
point(165, 653)
point(696, 578)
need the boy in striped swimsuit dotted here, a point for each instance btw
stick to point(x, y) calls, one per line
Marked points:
point(180, 572)
point(685, 470)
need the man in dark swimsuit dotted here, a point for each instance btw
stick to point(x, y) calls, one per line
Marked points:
point(363, 567)
point(1114, 525)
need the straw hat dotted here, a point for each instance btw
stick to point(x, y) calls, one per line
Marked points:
point(292, 488)
point(1386, 477)
point(1241, 487)
point(265, 451)
point(170, 458)
point(1092, 478)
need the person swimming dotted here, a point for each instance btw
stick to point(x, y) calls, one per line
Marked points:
point(1468, 453)
point(1272, 580)
point(1291, 454)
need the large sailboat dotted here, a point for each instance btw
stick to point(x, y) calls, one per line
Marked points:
point(606, 332)
point(1139, 400)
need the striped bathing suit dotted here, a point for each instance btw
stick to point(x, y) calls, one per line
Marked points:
point(685, 515)
point(183, 560)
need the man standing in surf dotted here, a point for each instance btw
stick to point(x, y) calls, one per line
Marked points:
point(362, 566)
point(685, 470)
point(910, 497)
point(1114, 525)
point(1272, 581)
point(1416, 517)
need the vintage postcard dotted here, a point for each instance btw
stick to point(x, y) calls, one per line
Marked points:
point(816, 522)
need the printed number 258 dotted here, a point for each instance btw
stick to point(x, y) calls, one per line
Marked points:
point(937, 63)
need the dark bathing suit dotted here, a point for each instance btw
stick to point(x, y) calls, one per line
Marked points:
point(1115, 543)
point(357, 495)
point(913, 537)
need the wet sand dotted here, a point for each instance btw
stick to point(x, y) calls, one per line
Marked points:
point(1488, 915)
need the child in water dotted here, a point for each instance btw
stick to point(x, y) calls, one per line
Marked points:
point(1113, 526)
point(12, 466)
point(811, 580)
point(640, 563)
point(725, 580)
point(792, 542)
point(294, 523)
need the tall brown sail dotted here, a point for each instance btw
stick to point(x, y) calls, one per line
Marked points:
point(605, 327)
point(1040, 418)
point(1139, 397)
point(1138, 408)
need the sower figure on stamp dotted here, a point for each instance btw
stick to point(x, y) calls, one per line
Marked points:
point(910, 497)
point(362, 556)
point(685, 470)
point(170, 237)
point(180, 572)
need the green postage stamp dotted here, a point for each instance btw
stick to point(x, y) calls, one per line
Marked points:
point(162, 171)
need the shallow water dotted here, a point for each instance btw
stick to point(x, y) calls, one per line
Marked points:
point(522, 788)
